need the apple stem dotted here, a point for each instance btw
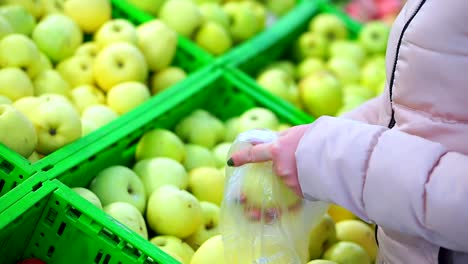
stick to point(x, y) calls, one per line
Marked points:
point(53, 131)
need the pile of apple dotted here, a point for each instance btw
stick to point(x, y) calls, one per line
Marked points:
point(55, 87)
point(216, 25)
point(327, 72)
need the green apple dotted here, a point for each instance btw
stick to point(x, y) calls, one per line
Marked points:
point(347, 252)
point(57, 123)
point(188, 129)
point(231, 129)
point(117, 63)
point(322, 235)
point(21, 21)
point(158, 43)
point(211, 251)
point(58, 36)
point(126, 96)
point(99, 114)
point(220, 153)
point(284, 65)
point(321, 94)
point(243, 21)
point(345, 69)
point(201, 2)
point(310, 44)
point(87, 126)
point(50, 81)
point(258, 118)
point(35, 156)
point(160, 143)
point(174, 246)
point(259, 11)
point(321, 261)
point(373, 73)
point(206, 184)
point(357, 90)
point(150, 6)
point(374, 37)
point(283, 127)
point(90, 15)
point(166, 78)
point(156, 172)
point(15, 83)
point(210, 227)
point(172, 211)
point(128, 215)
point(279, 83)
point(198, 156)
point(27, 105)
point(77, 70)
point(33, 7)
point(214, 12)
point(280, 7)
point(329, 26)
point(88, 195)
point(52, 6)
point(115, 30)
point(86, 95)
point(88, 49)
point(5, 100)
point(348, 49)
point(5, 27)
point(214, 38)
point(18, 131)
point(308, 67)
point(358, 232)
point(17, 50)
point(119, 184)
point(188, 16)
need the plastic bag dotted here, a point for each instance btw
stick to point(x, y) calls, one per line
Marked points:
point(262, 220)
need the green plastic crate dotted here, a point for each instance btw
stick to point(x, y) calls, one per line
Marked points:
point(57, 225)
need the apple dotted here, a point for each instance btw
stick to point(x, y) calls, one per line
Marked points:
point(220, 153)
point(243, 24)
point(348, 49)
point(42, 64)
point(287, 67)
point(345, 69)
point(198, 156)
point(150, 6)
point(58, 36)
point(52, 6)
point(309, 66)
point(321, 236)
point(321, 261)
point(57, 123)
point(210, 227)
point(358, 232)
point(128, 215)
point(174, 246)
point(201, 2)
point(310, 44)
point(77, 70)
point(88, 195)
point(231, 129)
point(50, 81)
point(5, 100)
point(27, 105)
point(126, 187)
point(5, 27)
point(330, 26)
point(172, 211)
point(357, 90)
point(339, 213)
point(126, 96)
point(211, 251)
point(158, 43)
point(374, 37)
point(206, 184)
point(115, 30)
point(18, 132)
point(214, 12)
point(321, 94)
point(90, 15)
point(214, 38)
point(280, 7)
point(373, 73)
point(33, 7)
point(166, 78)
point(347, 252)
point(86, 95)
point(279, 83)
point(283, 127)
point(117, 63)
point(160, 142)
point(99, 114)
point(156, 172)
point(15, 83)
point(188, 129)
point(21, 21)
point(188, 16)
point(258, 118)
point(259, 11)
point(87, 126)
point(88, 49)
point(17, 50)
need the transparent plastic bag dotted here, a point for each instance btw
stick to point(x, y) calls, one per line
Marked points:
point(262, 220)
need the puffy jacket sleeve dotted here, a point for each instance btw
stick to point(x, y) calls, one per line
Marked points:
point(394, 179)
point(367, 112)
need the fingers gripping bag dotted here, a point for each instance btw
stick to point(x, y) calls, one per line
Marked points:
point(262, 220)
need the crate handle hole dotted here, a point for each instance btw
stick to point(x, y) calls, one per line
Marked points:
point(42, 234)
point(21, 176)
point(2, 183)
point(37, 186)
point(106, 259)
point(98, 257)
point(51, 215)
point(61, 229)
point(50, 252)
point(48, 167)
point(109, 235)
point(74, 213)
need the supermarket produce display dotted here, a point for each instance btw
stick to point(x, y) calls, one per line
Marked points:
point(116, 118)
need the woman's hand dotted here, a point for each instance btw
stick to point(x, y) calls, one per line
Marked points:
point(281, 152)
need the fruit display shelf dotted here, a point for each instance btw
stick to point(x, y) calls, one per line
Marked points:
point(56, 225)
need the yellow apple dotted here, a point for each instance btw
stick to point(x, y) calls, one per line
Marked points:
point(211, 251)
point(174, 246)
point(88, 195)
point(214, 38)
point(243, 21)
point(172, 211)
point(188, 129)
point(87, 126)
point(188, 16)
point(321, 261)
point(27, 105)
point(15, 83)
point(89, 14)
point(129, 216)
point(347, 252)
point(220, 152)
point(17, 50)
point(86, 95)
point(50, 81)
point(19, 18)
point(308, 67)
point(77, 70)
point(283, 127)
point(166, 78)
point(339, 213)
point(126, 96)
point(17, 131)
point(207, 184)
point(150, 6)
point(99, 114)
point(35, 156)
point(321, 236)
point(88, 49)
point(231, 129)
point(115, 30)
point(258, 118)
point(52, 6)
point(210, 227)
point(5, 100)
point(358, 232)
point(5, 27)
point(33, 7)
point(160, 143)
point(198, 156)
point(119, 62)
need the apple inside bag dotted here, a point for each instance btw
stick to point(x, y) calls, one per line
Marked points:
point(262, 220)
